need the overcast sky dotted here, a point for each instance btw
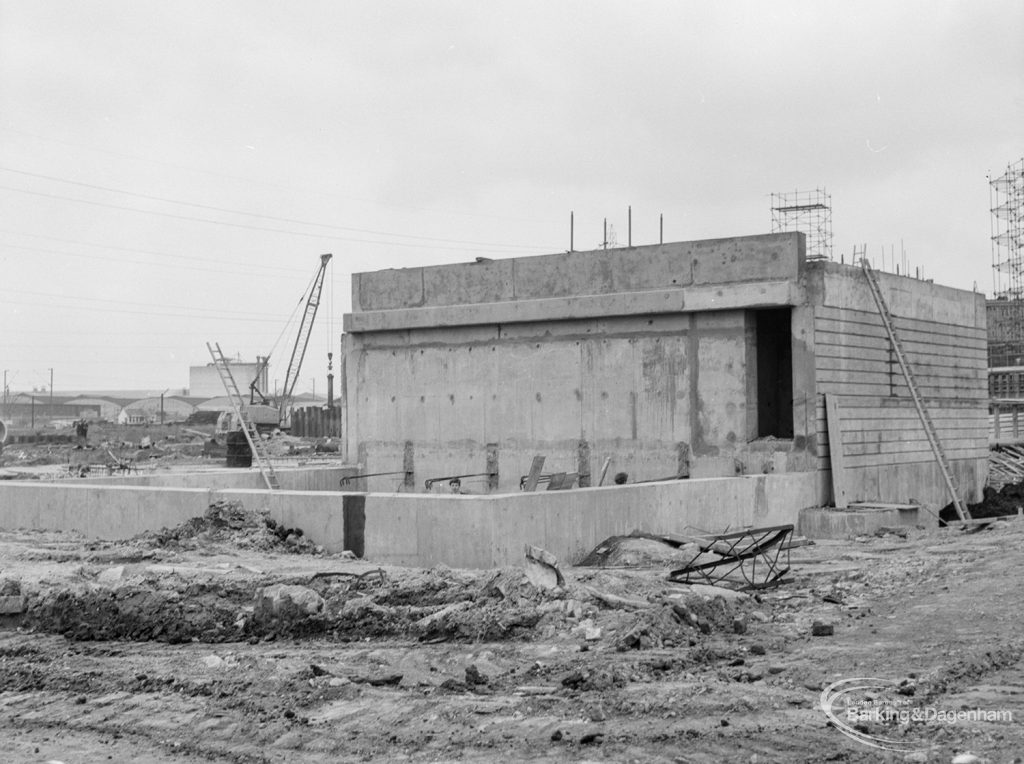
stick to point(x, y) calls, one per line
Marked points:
point(170, 172)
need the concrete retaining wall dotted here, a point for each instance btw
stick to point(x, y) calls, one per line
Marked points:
point(424, 530)
point(106, 512)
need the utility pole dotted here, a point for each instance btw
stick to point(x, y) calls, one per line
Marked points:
point(162, 406)
point(51, 392)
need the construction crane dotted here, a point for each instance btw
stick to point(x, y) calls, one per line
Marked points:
point(278, 412)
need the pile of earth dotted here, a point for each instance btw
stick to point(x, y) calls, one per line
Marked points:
point(428, 605)
point(994, 503)
point(230, 523)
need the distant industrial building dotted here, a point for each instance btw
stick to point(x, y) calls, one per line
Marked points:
point(204, 381)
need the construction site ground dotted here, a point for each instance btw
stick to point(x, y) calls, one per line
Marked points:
point(229, 640)
point(112, 449)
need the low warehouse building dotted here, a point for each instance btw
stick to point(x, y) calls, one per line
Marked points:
point(704, 359)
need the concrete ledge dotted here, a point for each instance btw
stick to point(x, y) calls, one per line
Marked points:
point(829, 523)
point(603, 271)
point(679, 300)
point(321, 478)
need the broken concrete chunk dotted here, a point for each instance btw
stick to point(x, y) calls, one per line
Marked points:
point(710, 592)
point(284, 601)
point(588, 630)
point(542, 568)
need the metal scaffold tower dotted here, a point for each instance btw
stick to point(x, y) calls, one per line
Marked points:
point(809, 212)
point(1006, 196)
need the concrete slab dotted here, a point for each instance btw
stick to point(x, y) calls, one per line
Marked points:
point(829, 523)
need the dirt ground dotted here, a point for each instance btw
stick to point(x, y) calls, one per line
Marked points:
point(227, 640)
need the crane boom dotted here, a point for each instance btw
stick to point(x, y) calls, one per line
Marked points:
point(305, 327)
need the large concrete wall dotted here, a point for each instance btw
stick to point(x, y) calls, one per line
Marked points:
point(943, 333)
point(423, 529)
point(638, 354)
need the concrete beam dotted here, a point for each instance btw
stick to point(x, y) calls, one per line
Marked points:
point(693, 299)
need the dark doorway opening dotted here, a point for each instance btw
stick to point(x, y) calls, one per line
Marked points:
point(774, 373)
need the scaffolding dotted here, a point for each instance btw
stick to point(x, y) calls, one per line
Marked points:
point(809, 212)
point(1006, 312)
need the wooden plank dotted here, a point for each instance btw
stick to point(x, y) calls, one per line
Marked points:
point(915, 336)
point(826, 311)
point(878, 505)
point(912, 446)
point(845, 388)
point(839, 338)
point(604, 469)
point(561, 481)
point(840, 489)
point(910, 457)
point(907, 329)
point(828, 351)
point(864, 434)
point(884, 367)
point(891, 384)
point(936, 405)
point(534, 475)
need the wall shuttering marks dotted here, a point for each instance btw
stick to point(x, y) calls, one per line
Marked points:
point(886, 451)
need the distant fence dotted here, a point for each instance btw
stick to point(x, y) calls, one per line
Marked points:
point(1006, 421)
point(316, 422)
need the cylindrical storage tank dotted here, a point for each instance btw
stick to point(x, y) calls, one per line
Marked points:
point(239, 453)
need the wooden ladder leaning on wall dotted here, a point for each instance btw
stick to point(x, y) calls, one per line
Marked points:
point(908, 375)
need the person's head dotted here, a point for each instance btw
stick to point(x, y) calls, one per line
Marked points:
point(621, 478)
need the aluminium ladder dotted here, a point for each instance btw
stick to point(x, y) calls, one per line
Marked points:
point(256, 444)
point(908, 375)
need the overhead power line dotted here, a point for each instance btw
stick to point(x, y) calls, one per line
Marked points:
point(191, 314)
point(133, 250)
point(270, 184)
point(262, 216)
point(147, 263)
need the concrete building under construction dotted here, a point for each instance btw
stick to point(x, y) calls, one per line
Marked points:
point(705, 359)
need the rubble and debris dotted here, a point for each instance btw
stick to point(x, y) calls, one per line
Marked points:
point(230, 523)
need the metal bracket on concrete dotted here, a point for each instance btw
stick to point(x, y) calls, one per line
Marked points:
point(456, 480)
